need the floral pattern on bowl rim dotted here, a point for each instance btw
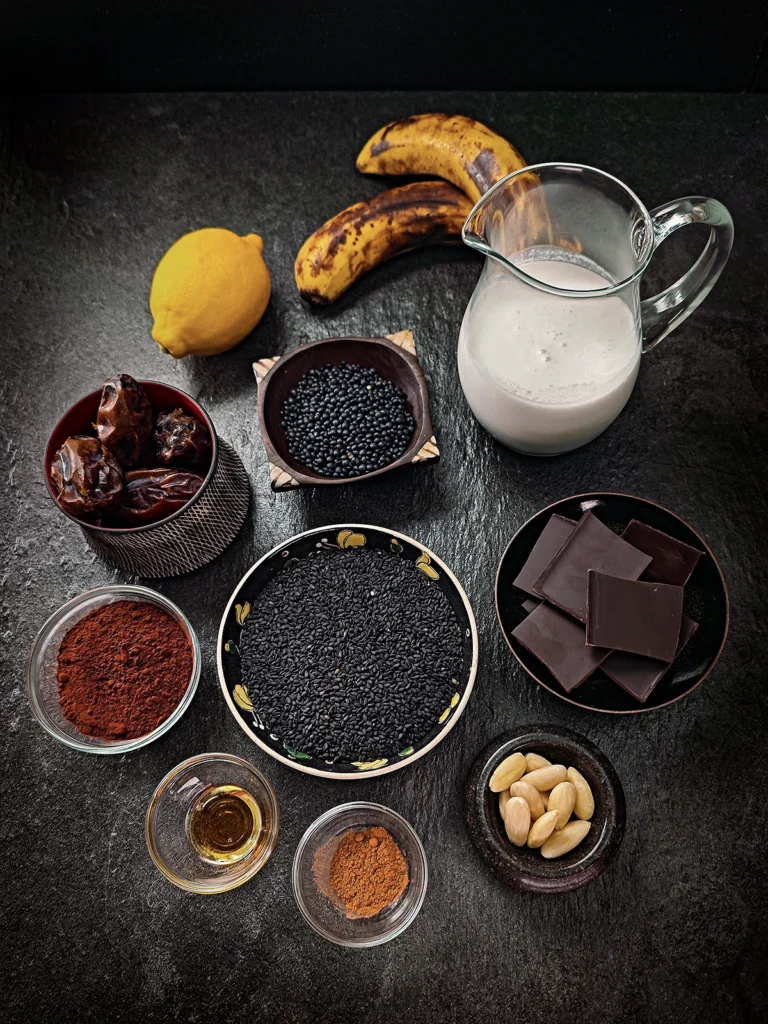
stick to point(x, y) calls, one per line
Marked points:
point(239, 607)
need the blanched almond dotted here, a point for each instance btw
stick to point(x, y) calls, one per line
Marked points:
point(542, 829)
point(562, 799)
point(517, 820)
point(546, 778)
point(509, 771)
point(565, 839)
point(535, 761)
point(585, 802)
point(504, 795)
point(531, 796)
point(544, 799)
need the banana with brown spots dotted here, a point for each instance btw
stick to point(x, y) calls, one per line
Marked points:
point(451, 146)
point(364, 235)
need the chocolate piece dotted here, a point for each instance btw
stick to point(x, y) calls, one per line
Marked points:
point(673, 561)
point(559, 643)
point(530, 605)
point(590, 546)
point(556, 532)
point(639, 676)
point(643, 618)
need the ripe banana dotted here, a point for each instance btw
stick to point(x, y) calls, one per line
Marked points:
point(457, 148)
point(364, 235)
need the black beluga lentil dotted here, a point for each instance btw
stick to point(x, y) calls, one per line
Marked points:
point(351, 655)
point(346, 420)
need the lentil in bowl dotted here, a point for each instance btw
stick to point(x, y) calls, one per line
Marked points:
point(392, 358)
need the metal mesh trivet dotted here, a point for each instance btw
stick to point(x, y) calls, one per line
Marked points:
point(195, 537)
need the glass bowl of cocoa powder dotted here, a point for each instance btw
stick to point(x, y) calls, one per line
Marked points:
point(113, 669)
point(360, 874)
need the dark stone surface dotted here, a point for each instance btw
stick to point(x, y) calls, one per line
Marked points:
point(92, 191)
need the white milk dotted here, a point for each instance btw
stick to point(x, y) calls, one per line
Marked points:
point(546, 373)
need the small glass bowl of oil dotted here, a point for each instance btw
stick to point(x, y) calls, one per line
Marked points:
point(212, 823)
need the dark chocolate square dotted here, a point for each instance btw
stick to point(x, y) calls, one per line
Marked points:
point(551, 539)
point(591, 545)
point(643, 618)
point(558, 641)
point(639, 676)
point(673, 561)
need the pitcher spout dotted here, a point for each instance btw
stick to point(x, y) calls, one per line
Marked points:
point(475, 232)
point(510, 217)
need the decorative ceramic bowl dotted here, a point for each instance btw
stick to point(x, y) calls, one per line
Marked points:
point(393, 357)
point(190, 537)
point(244, 706)
point(311, 867)
point(166, 827)
point(527, 869)
point(705, 601)
point(42, 690)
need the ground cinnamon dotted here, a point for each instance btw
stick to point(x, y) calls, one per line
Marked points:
point(368, 871)
point(122, 670)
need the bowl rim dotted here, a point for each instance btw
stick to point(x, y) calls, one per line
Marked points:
point(255, 866)
point(122, 530)
point(128, 591)
point(310, 832)
point(373, 773)
point(590, 496)
point(476, 802)
point(307, 477)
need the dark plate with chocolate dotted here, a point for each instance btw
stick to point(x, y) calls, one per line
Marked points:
point(623, 683)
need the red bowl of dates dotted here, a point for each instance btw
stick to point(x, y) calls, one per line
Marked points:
point(149, 489)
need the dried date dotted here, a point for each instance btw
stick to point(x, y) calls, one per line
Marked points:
point(152, 494)
point(87, 477)
point(181, 440)
point(124, 420)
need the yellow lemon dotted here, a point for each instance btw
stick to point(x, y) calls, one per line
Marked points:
point(209, 291)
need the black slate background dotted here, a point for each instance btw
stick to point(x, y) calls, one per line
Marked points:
point(92, 191)
point(129, 45)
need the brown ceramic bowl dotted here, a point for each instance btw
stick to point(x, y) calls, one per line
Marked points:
point(393, 357)
point(705, 601)
point(520, 867)
point(191, 536)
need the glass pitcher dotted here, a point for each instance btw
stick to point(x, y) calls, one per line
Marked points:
point(551, 340)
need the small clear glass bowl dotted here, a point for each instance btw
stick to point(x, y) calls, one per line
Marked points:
point(42, 690)
point(310, 876)
point(167, 815)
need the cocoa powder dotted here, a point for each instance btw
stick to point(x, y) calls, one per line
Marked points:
point(122, 670)
point(368, 871)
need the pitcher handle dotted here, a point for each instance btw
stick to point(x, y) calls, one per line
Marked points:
point(665, 311)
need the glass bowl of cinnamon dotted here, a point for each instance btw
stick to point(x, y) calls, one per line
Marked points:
point(360, 874)
point(113, 669)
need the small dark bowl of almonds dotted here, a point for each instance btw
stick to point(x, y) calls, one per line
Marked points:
point(545, 809)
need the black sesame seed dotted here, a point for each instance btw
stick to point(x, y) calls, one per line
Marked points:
point(346, 421)
point(342, 674)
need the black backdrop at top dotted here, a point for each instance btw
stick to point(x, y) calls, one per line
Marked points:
point(113, 45)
